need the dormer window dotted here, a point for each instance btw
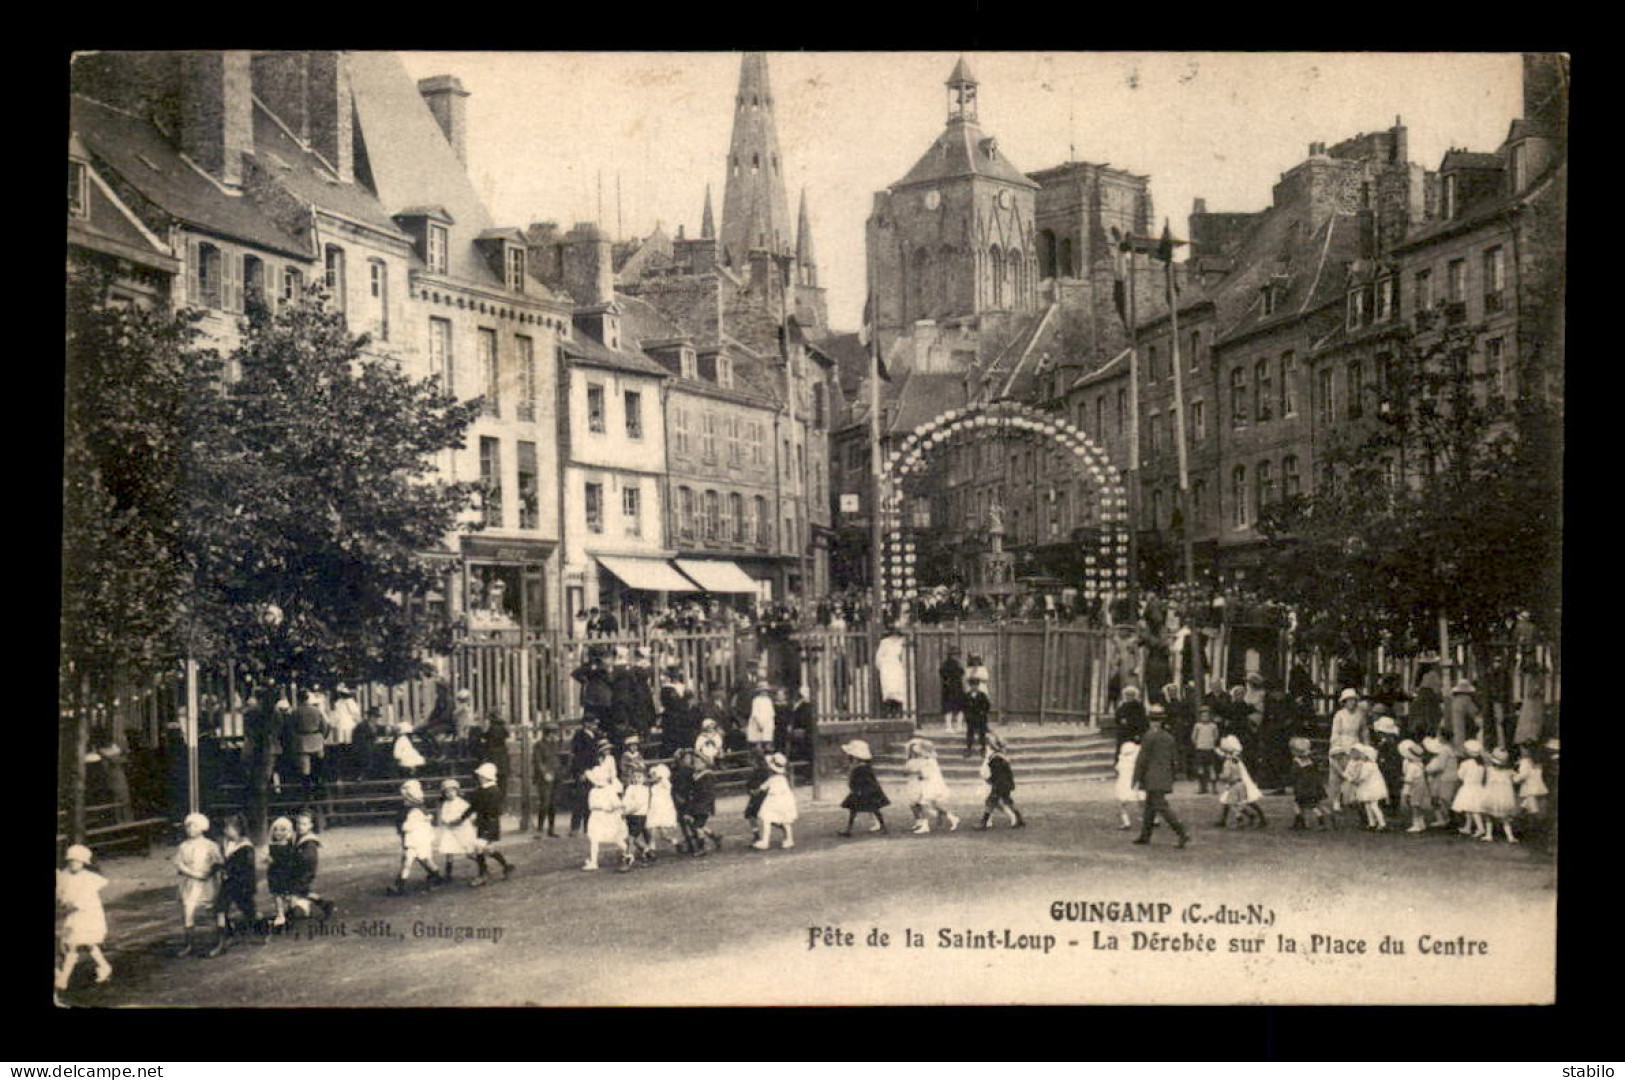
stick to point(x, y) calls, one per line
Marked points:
point(1515, 166)
point(439, 244)
point(78, 189)
point(688, 364)
point(516, 267)
point(1357, 308)
point(1269, 299)
point(725, 373)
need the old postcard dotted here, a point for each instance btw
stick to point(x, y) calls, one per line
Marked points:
point(806, 528)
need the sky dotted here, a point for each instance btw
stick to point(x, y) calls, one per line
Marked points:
point(554, 136)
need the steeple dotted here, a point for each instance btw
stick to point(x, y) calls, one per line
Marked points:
point(962, 93)
point(806, 262)
point(755, 212)
point(708, 225)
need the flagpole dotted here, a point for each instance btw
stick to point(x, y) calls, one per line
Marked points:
point(1189, 525)
point(876, 557)
point(1133, 441)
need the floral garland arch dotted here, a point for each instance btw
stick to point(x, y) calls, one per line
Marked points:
point(1106, 568)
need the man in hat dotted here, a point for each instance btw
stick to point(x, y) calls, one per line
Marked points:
point(487, 805)
point(545, 768)
point(952, 675)
point(492, 744)
point(583, 758)
point(1154, 774)
point(596, 695)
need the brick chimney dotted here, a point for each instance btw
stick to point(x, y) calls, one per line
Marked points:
point(332, 131)
point(217, 111)
point(281, 80)
point(447, 99)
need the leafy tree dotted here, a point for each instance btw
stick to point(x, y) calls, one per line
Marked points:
point(1448, 502)
point(313, 500)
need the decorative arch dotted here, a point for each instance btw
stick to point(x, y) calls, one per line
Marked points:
point(1106, 565)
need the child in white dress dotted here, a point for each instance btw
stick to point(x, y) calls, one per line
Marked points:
point(1500, 802)
point(454, 826)
point(1363, 780)
point(779, 807)
point(1531, 779)
point(417, 838)
point(84, 925)
point(198, 862)
point(1469, 800)
point(1130, 799)
point(635, 806)
point(1440, 774)
point(408, 759)
point(1236, 788)
point(928, 791)
point(662, 810)
point(605, 822)
point(1414, 794)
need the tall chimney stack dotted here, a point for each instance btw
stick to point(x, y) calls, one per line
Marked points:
point(332, 131)
point(449, 102)
point(217, 111)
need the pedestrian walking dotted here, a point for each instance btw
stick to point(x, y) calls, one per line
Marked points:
point(928, 791)
point(486, 803)
point(1308, 788)
point(1441, 770)
point(1129, 797)
point(662, 822)
point(1154, 775)
point(1469, 799)
point(763, 718)
point(779, 805)
point(417, 839)
point(453, 827)
point(1001, 785)
point(1363, 778)
point(1413, 792)
point(545, 770)
point(607, 825)
point(84, 920)
point(1237, 791)
point(864, 794)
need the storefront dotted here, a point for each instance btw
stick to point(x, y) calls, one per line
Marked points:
point(500, 588)
point(633, 588)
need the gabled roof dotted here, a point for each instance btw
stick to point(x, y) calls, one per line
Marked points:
point(308, 179)
point(1465, 159)
point(1317, 277)
point(1116, 366)
point(590, 352)
point(962, 150)
point(1011, 373)
point(922, 396)
point(138, 153)
point(411, 162)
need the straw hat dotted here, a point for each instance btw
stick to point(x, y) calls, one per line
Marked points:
point(1230, 744)
point(486, 771)
point(78, 853)
point(463, 694)
point(1465, 686)
point(1432, 745)
point(1409, 749)
point(857, 748)
point(1473, 747)
point(1499, 755)
point(1155, 710)
point(1131, 693)
point(412, 790)
point(1386, 725)
point(449, 785)
point(1298, 745)
point(660, 772)
point(1348, 693)
point(194, 818)
point(777, 762)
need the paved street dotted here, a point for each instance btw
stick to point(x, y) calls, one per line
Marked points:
point(733, 928)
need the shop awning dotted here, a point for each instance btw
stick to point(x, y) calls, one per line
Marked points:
point(655, 575)
point(719, 576)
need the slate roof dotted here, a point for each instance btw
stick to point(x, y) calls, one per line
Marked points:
point(1312, 273)
point(585, 349)
point(961, 151)
point(1465, 159)
point(851, 358)
point(304, 175)
point(1012, 370)
point(142, 157)
point(107, 226)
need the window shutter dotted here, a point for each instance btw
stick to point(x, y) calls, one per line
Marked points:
point(231, 284)
point(194, 265)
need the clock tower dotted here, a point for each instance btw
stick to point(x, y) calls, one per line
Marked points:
point(953, 240)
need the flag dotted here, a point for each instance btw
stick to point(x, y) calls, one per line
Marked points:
point(868, 337)
point(1165, 252)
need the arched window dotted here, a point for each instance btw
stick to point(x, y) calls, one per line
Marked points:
point(1018, 278)
point(996, 276)
point(1238, 496)
point(1266, 485)
point(1063, 260)
point(1046, 254)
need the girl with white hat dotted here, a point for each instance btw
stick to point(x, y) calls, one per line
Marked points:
point(1499, 802)
point(1469, 799)
point(779, 807)
point(928, 791)
point(408, 758)
point(198, 861)
point(662, 821)
point(84, 925)
point(1414, 790)
point(1365, 786)
point(1130, 799)
point(864, 794)
point(606, 824)
point(1236, 788)
point(454, 829)
point(417, 838)
point(1440, 772)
